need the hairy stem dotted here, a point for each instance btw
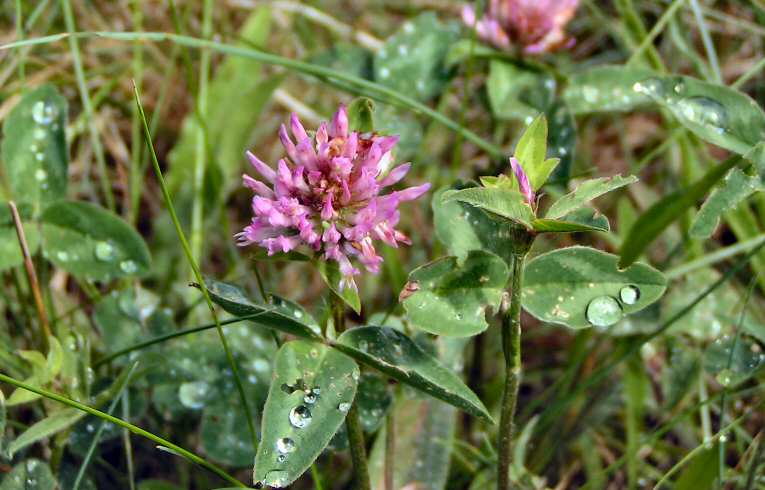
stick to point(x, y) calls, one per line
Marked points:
point(352, 423)
point(511, 346)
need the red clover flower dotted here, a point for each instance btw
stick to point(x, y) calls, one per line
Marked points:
point(327, 196)
point(537, 25)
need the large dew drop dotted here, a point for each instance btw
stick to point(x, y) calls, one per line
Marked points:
point(603, 311)
point(629, 295)
point(344, 407)
point(300, 417)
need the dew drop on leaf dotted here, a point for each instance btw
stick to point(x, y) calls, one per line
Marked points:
point(300, 416)
point(344, 407)
point(629, 295)
point(104, 251)
point(44, 112)
point(128, 266)
point(704, 111)
point(603, 311)
point(285, 445)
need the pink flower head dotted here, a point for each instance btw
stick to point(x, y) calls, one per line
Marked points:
point(327, 195)
point(537, 25)
point(523, 181)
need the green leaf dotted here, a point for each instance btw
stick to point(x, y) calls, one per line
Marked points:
point(497, 201)
point(396, 355)
point(582, 219)
point(412, 60)
point(606, 89)
point(220, 432)
point(373, 400)
point(91, 242)
point(580, 287)
point(34, 151)
point(735, 188)
point(461, 228)
point(235, 301)
point(46, 427)
point(701, 472)
point(586, 192)
point(680, 375)
point(448, 298)
point(361, 115)
point(743, 354)
point(720, 115)
point(10, 250)
point(30, 470)
point(516, 93)
point(531, 151)
point(118, 319)
point(664, 212)
point(330, 272)
point(295, 431)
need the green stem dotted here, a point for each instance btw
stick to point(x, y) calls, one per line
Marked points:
point(358, 449)
point(511, 347)
point(136, 166)
point(132, 428)
point(197, 273)
point(352, 422)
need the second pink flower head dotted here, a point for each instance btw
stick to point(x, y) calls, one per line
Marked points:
point(537, 25)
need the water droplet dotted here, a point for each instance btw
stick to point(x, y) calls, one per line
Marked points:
point(104, 251)
point(314, 353)
point(281, 458)
point(725, 377)
point(629, 295)
point(403, 49)
point(679, 87)
point(603, 311)
point(384, 72)
point(363, 345)
point(261, 365)
point(309, 398)
point(276, 478)
point(128, 266)
point(298, 314)
point(590, 94)
point(39, 156)
point(300, 416)
point(705, 112)
point(41, 175)
point(62, 256)
point(194, 394)
point(285, 445)
point(44, 112)
point(344, 407)
point(39, 133)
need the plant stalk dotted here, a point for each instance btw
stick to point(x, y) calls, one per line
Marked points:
point(511, 347)
point(31, 275)
point(352, 423)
